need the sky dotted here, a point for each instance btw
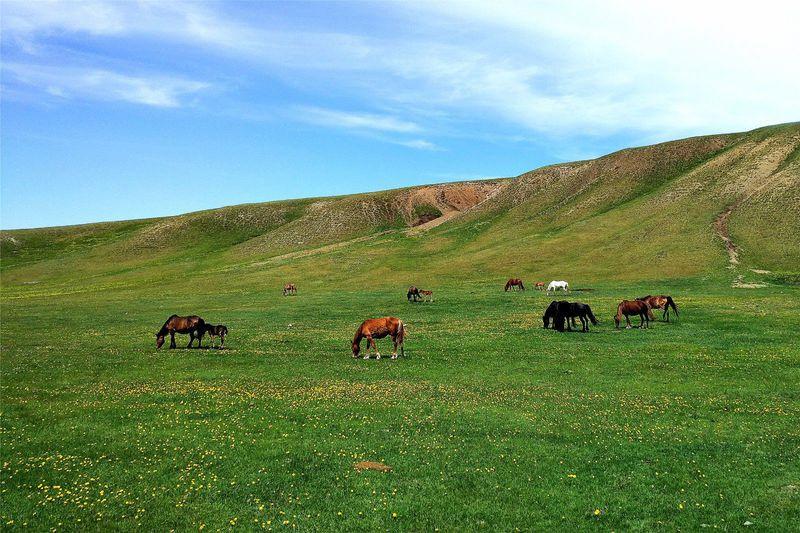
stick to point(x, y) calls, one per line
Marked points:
point(133, 109)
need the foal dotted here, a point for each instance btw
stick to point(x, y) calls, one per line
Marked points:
point(289, 288)
point(217, 331)
point(427, 296)
point(378, 328)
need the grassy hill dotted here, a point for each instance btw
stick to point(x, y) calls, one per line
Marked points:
point(635, 214)
point(491, 423)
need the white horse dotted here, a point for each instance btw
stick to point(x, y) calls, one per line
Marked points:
point(555, 285)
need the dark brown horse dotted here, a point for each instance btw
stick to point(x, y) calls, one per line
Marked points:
point(514, 283)
point(378, 328)
point(630, 308)
point(216, 331)
point(413, 294)
point(660, 302)
point(289, 288)
point(193, 325)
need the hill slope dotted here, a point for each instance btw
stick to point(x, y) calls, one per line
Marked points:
point(661, 211)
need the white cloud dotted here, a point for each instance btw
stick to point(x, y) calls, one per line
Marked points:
point(419, 144)
point(97, 84)
point(357, 121)
point(551, 68)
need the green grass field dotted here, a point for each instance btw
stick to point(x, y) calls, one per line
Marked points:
point(490, 422)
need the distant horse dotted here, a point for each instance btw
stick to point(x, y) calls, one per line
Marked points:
point(426, 295)
point(632, 308)
point(555, 285)
point(378, 328)
point(514, 283)
point(660, 302)
point(193, 325)
point(539, 285)
point(289, 288)
point(216, 331)
point(413, 294)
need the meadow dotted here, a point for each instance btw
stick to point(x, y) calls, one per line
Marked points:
point(490, 422)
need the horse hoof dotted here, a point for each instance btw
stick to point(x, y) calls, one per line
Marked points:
point(378, 357)
point(366, 357)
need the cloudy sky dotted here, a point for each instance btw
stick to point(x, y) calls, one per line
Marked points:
point(117, 110)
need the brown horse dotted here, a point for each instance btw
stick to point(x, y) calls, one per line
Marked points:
point(660, 302)
point(413, 294)
point(631, 308)
point(426, 295)
point(513, 283)
point(378, 328)
point(289, 288)
point(216, 331)
point(539, 285)
point(193, 325)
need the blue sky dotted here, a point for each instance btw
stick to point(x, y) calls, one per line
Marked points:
point(119, 110)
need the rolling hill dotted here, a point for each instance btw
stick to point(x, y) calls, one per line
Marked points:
point(662, 211)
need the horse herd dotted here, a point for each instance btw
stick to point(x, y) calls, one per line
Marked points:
point(559, 315)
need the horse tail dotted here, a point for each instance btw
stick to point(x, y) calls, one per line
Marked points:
point(591, 315)
point(671, 303)
point(401, 336)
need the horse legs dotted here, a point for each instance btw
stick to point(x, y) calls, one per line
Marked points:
point(222, 342)
point(666, 313)
point(172, 339)
point(628, 320)
point(585, 323)
point(370, 342)
point(642, 317)
point(191, 339)
point(394, 340)
point(199, 336)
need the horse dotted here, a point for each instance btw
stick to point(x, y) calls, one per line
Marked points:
point(513, 283)
point(555, 285)
point(216, 331)
point(426, 295)
point(560, 311)
point(193, 325)
point(660, 302)
point(289, 288)
point(631, 308)
point(584, 313)
point(555, 309)
point(413, 294)
point(539, 286)
point(378, 328)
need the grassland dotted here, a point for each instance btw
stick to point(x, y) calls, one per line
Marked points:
point(490, 423)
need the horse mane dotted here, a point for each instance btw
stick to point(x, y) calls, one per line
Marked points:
point(163, 330)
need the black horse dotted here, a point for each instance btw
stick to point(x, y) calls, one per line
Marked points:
point(584, 312)
point(413, 294)
point(561, 312)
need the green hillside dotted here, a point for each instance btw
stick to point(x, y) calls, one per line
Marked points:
point(635, 214)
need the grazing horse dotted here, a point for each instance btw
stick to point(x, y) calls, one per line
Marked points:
point(216, 331)
point(193, 325)
point(632, 308)
point(660, 302)
point(584, 313)
point(289, 288)
point(413, 294)
point(426, 295)
point(553, 311)
point(539, 285)
point(514, 283)
point(562, 311)
point(555, 285)
point(378, 328)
